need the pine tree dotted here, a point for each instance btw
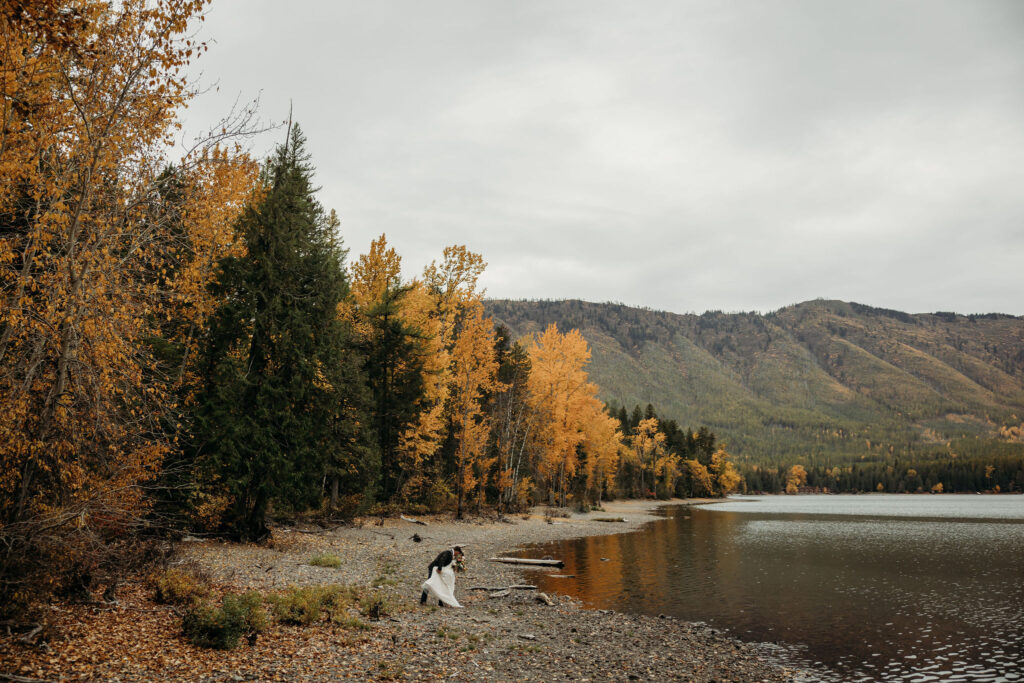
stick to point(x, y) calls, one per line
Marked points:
point(284, 400)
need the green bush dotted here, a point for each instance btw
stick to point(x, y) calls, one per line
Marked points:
point(221, 627)
point(180, 587)
point(326, 560)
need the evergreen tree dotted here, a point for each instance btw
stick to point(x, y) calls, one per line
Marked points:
point(283, 404)
point(394, 371)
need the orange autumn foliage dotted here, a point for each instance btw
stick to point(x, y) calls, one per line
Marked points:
point(603, 446)
point(473, 371)
point(563, 403)
point(90, 94)
point(796, 478)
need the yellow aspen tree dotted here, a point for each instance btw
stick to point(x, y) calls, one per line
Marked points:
point(374, 274)
point(450, 298)
point(453, 284)
point(558, 389)
point(648, 446)
point(602, 443)
point(796, 478)
point(701, 484)
point(726, 478)
point(474, 367)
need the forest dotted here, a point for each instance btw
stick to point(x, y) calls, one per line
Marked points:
point(186, 344)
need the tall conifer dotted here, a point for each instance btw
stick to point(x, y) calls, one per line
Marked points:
point(284, 403)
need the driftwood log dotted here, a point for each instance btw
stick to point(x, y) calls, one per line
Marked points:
point(525, 560)
point(414, 521)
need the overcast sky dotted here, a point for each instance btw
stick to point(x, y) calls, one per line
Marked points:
point(684, 156)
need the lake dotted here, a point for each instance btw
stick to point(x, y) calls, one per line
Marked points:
point(868, 587)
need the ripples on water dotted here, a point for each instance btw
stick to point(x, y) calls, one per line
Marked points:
point(904, 588)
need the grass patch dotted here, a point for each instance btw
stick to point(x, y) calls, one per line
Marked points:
point(525, 648)
point(353, 623)
point(448, 633)
point(391, 670)
point(326, 560)
point(386, 571)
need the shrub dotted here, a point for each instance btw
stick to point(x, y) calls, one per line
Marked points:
point(221, 627)
point(326, 560)
point(440, 496)
point(180, 587)
point(304, 606)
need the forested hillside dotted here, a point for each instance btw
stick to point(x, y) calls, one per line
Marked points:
point(821, 382)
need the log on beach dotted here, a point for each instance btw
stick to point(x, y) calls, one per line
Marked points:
point(414, 521)
point(525, 560)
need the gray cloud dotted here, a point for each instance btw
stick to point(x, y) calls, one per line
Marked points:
point(679, 155)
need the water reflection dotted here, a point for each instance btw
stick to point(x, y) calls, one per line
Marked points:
point(874, 598)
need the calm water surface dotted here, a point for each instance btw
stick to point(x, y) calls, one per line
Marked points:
point(878, 587)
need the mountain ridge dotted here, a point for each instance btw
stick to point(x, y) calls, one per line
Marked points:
point(823, 379)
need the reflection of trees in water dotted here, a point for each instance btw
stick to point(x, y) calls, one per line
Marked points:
point(855, 591)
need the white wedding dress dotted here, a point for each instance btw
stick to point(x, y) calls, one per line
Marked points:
point(441, 586)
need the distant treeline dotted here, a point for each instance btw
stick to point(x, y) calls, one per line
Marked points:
point(999, 470)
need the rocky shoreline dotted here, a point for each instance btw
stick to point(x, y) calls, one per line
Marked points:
point(514, 637)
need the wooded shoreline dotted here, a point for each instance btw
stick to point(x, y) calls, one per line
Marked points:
point(511, 637)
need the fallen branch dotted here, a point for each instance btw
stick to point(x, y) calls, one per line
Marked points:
point(24, 679)
point(609, 519)
point(28, 637)
point(316, 532)
point(500, 594)
point(524, 560)
point(414, 521)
